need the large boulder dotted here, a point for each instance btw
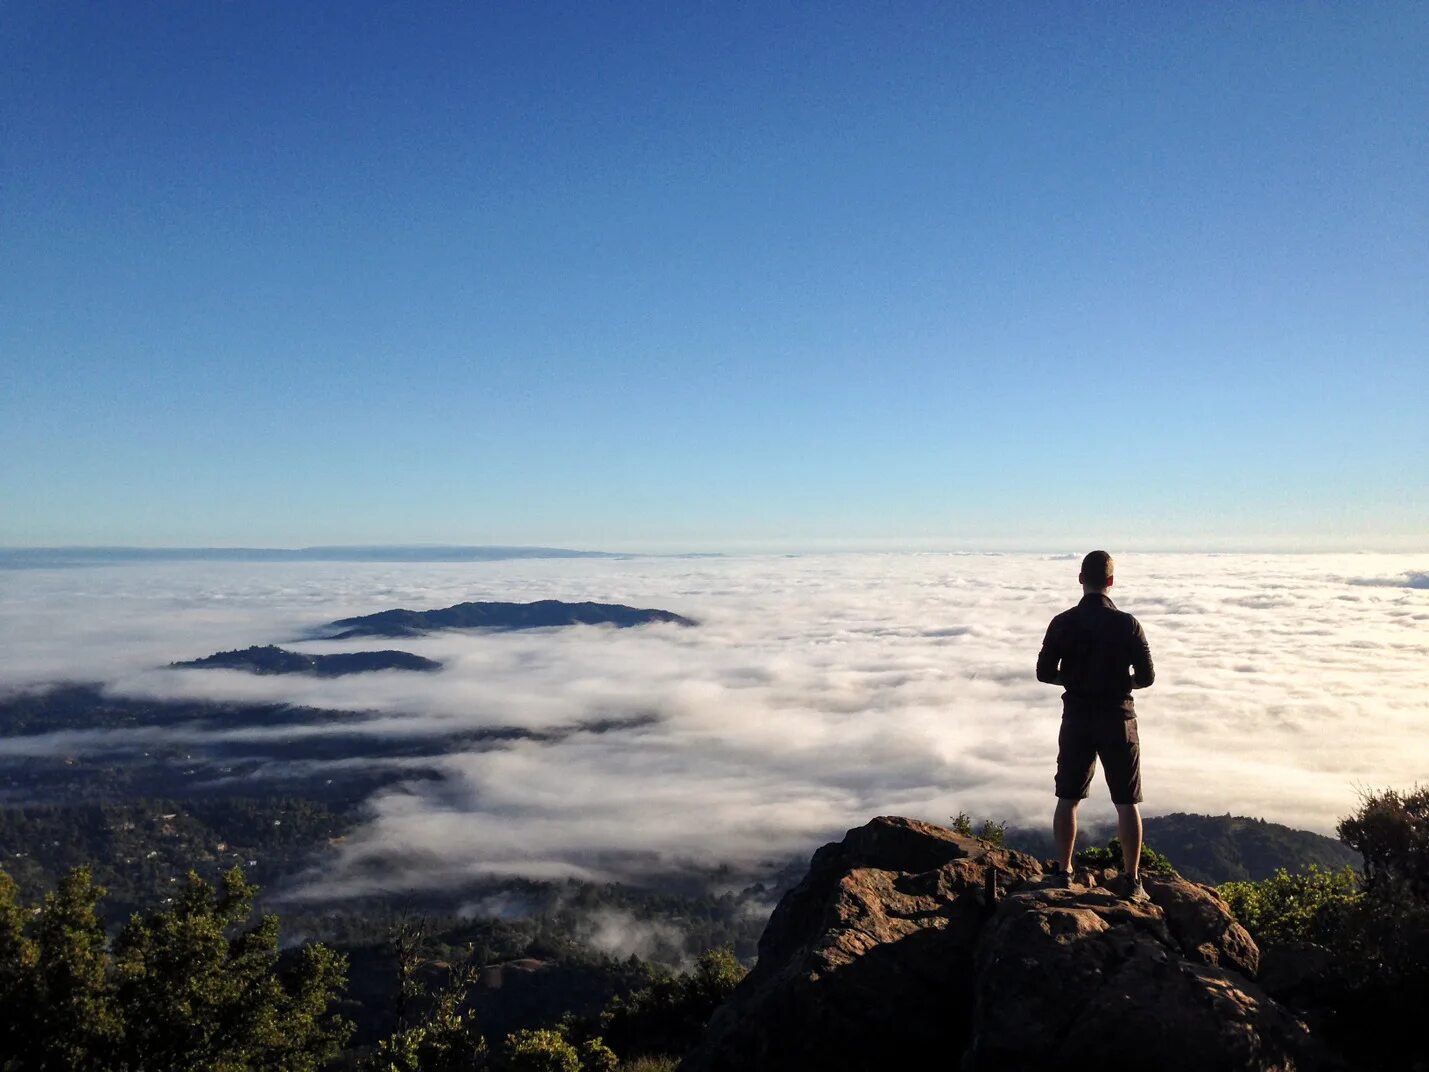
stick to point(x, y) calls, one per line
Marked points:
point(906, 942)
point(868, 962)
point(1074, 979)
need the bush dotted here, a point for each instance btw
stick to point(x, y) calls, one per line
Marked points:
point(541, 1050)
point(660, 1063)
point(446, 1041)
point(1152, 862)
point(995, 833)
point(596, 1056)
point(1312, 906)
point(669, 1015)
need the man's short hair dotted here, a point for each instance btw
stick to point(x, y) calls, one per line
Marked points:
point(1097, 569)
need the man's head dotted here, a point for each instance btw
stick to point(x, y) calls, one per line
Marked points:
point(1096, 575)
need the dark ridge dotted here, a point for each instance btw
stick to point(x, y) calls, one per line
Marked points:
point(270, 659)
point(1214, 848)
point(1410, 579)
point(542, 614)
point(60, 557)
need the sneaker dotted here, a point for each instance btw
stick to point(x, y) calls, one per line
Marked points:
point(1059, 879)
point(1136, 892)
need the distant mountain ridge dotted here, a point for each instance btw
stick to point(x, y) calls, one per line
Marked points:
point(542, 614)
point(1215, 848)
point(60, 557)
point(270, 659)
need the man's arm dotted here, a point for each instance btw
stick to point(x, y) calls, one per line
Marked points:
point(1143, 672)
point(1050, 657)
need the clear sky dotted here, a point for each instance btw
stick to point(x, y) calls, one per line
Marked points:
point(702, 275)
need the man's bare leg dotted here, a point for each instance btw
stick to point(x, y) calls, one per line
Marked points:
point(1064, 831)
point(1128, 829)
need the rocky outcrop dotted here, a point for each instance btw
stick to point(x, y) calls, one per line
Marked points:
point(907, 942)
point(870, 955)
point(1083, 979)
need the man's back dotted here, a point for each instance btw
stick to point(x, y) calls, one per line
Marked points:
point(1088, 651)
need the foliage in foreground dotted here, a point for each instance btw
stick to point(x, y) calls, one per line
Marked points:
point(551, 1050)
point(1312, 906)
point(669, 1015)
point(1152, 862)
point(197, 985)
point(1374, 926)
point(636, 1033)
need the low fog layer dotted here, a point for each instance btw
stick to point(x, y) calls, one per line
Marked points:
point(817, 691)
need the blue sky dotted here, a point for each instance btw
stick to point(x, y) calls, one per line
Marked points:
point(715, 275)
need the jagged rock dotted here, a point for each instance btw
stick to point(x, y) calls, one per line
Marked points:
point(867, 963)
point(1074, 979)
point(1202, 924)
point(889, 953)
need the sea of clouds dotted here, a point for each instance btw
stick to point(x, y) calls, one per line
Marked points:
point(816, 692)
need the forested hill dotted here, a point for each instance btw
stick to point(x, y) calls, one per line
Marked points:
point(542, 614)
point(1215, 848)
point(1226, 848)
point(270, 659)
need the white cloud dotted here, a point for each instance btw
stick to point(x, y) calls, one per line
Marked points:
point(818, 691)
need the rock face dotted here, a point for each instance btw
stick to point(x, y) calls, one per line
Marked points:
point(891, 952)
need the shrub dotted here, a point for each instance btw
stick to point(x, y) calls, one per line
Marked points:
point(651, 1063)
point(446, 1041)
point(669, 1015)
point(596, 1056)
point(995, 833)
point(540, 1050)
point(1312, 906)
point(1152, 862)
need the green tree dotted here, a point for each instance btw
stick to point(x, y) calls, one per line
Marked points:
point(191, 987)
point(446, 1040)
point(1391, 833)
point(201, 988)
point(668, 1015)
point(74, 1020)
point(18, 957)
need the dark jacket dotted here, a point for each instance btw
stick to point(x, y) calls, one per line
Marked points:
point(1088, 651)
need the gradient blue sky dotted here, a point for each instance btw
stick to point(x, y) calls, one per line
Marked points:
point(700, 276)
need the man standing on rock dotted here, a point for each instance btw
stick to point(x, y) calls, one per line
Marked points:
point(1098, 654)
